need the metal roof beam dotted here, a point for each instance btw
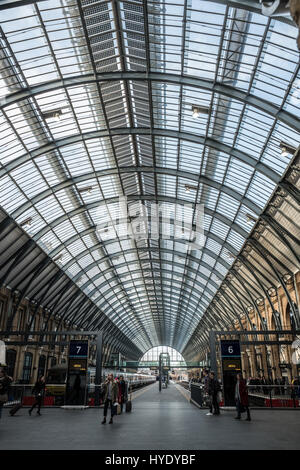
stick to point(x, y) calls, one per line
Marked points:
point(162, 77)
point(169, 133)
point(137, 197)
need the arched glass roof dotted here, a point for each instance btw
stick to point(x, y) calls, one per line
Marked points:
point(96, 102)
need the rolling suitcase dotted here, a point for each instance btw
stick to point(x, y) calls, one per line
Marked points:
point(15, 408)
point(128, 406)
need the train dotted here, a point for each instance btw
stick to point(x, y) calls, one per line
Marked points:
point(57, 377)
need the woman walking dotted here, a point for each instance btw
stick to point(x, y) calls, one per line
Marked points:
point(38, 390)
point(241, 397)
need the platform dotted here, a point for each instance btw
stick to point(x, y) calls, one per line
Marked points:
point(160, 420)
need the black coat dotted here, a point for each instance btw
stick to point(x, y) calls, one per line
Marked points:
point(213, 386)
point(38, 389)
point(4, 384)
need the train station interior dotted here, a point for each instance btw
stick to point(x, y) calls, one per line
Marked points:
point(149, 225)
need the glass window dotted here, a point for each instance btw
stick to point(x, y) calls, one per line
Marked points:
point(26, 375)
point(41, 365)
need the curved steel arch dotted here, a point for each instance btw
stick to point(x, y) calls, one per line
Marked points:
point(248, 5)
point(232, 308)
point(85, 232)
point(133, 250)
point(136, 197)
point(223, 292)
point(161, 77)
point(89, 206)
point(154, 270)
point(186, 323)
point(111, 268)
point(175, 281)
point(137, 271)
point(159, 132)
point(86, 269)
point(140, 249)
point(264, 253)
point(148, 320)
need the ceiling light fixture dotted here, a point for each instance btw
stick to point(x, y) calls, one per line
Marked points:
point(250, 218)
point(55, 114)
point(188, 188)
point(288, 278)
point(59, 257)
point(286, 149)
point(197, 110)
point(272, 292)
point(26, 222)
point(87, 189)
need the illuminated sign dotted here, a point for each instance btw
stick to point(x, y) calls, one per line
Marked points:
point(77, 364)
point(79, 349)
point(231, 364)
point(230, 348)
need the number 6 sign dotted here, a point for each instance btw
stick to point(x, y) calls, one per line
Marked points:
point(230, 348)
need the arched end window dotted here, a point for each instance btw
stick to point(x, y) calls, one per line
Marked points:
point(176, 359)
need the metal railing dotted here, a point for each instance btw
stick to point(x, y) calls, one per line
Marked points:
point(54, 394)
point(260, 396)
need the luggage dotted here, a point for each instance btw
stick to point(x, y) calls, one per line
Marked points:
point(117, 409)
point(128, 406)
point(15, 409)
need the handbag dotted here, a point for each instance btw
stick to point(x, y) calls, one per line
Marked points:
point(219, 397)
point(117, 408)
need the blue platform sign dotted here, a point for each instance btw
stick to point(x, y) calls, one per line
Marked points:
point(79, 349)
point(230, 348)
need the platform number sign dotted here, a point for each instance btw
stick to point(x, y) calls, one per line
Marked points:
point(78, 349)
point(230, 348)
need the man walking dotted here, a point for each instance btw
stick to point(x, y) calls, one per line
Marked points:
point(213, 389)
point(123, 392)
point(110, 389)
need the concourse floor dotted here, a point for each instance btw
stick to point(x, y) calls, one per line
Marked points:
point(159, 421)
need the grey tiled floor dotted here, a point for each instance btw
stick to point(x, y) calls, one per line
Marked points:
point(159, 420)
